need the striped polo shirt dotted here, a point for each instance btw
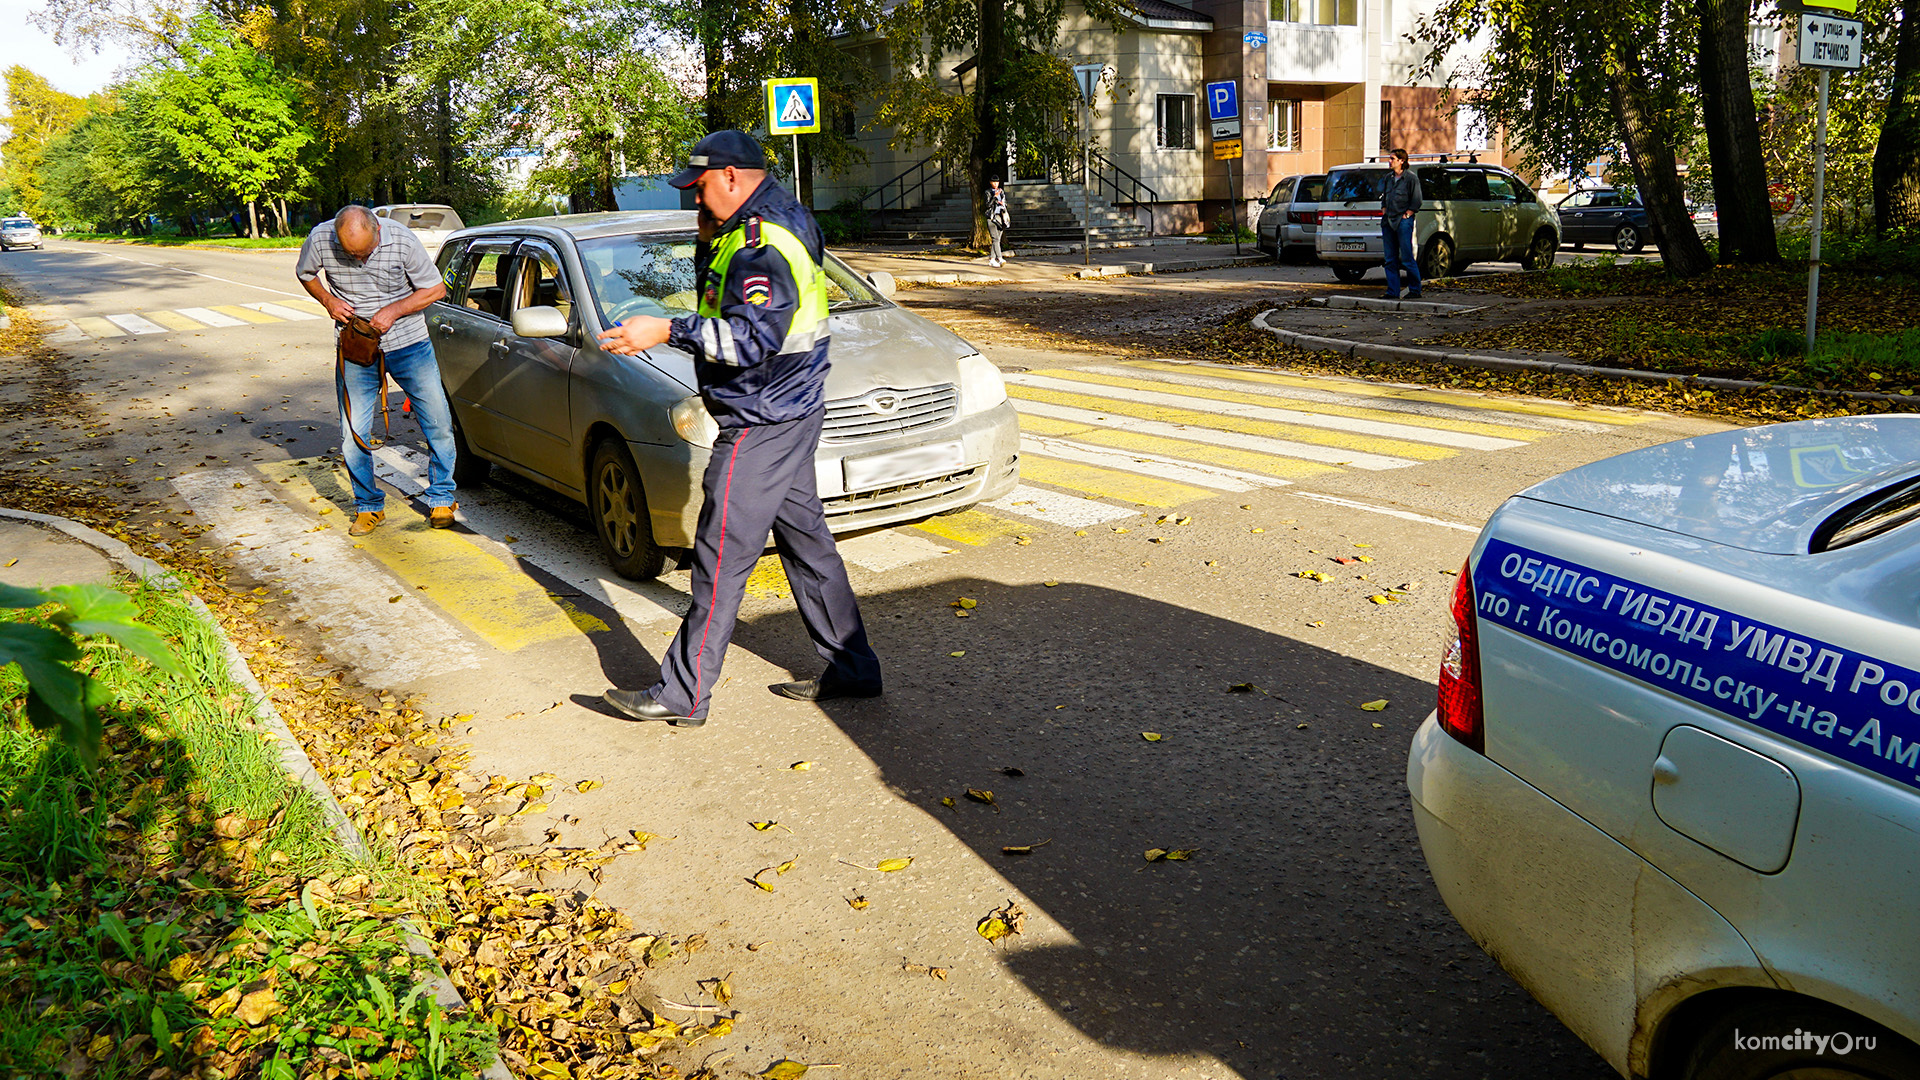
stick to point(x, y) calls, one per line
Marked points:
point(398, 266)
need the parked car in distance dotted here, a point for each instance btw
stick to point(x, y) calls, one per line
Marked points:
point(1469, 213)
point(1673, 782)
point(917, 424)
point(1605, 216)
point(17, 232)
point(431, 222)
point(1291, 213)
point(1706, 220)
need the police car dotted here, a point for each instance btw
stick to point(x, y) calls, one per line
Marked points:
point(1673, 782)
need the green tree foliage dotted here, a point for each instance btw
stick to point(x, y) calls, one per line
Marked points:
point(37, 115)
point(1570, 79)
point(580, 82)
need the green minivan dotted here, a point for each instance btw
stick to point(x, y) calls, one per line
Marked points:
point(1469, 213)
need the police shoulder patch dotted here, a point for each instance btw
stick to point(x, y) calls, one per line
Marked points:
point(752, 226)
point(756, 289)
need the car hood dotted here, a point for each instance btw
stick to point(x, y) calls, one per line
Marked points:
point(1765, 489)
point(872, 347)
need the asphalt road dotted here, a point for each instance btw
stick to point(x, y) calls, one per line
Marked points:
point(1304, 937)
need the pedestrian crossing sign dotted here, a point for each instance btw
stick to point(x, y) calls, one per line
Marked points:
point(793, 106)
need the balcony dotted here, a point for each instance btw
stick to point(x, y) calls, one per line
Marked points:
point(1300, 52)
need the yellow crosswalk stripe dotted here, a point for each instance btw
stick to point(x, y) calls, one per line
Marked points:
point(1109, 483)
point(768, 580)
point(509, 610)
point(247, 314)
point(1470, 427)
point(1049, 426)
point(95, 326)
point(1370, 444)
point(173, 320)
point(973, 528)
point(1378, 390)
point(1205, 454)
point(308, 306)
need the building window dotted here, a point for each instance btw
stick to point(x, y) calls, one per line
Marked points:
point(1174, 113)
point(1315, 12)
point(1283, 125)
point(1470, 133)
point(1386, 125)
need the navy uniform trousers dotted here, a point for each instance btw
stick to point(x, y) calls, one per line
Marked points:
point(761, 479)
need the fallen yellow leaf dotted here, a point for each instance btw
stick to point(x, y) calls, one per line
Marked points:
point(858, 903)
point(888, 866)
point(585, 786)
point(1375, 706)
point(801, 766)
point(257, 1006)
point(1151, 736)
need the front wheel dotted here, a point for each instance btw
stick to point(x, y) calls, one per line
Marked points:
point(1351, 273)
point(1539, 255)
point(1437, 260)
point(1627, 240)
point(620, 516)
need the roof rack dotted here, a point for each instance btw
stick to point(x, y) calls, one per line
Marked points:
point(1473, 157)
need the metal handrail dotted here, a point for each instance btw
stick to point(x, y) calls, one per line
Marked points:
point(928, 170)
point(1135, 187)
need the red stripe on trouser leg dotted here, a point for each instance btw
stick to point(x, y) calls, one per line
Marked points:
point(719, 557)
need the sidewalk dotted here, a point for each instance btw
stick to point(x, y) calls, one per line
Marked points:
point(916, 265)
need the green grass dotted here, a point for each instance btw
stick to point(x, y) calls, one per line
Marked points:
point(142, 903)
point(192, 241)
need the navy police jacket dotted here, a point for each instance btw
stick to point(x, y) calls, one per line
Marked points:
point(759, 338)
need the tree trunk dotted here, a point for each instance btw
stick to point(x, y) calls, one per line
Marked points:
point(1733, 134)
point(1896, 162)
point(253, 219)
point(603, 180)
point(713, 50)
point(443, 137)
point(987, 158)
point(1656, 169)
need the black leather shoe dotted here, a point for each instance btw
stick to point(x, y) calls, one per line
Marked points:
point(825, 688)
point(1414, 295)
point(1390, 296)
point(639, 705)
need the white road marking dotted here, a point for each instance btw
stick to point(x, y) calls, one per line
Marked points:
point(211, 277)
point(1436, 410)
point(1270, 414)
point(1407, 515)
point(561, 552)
point(134, 324)
point(388, 644)
point(1332, 455)
point(1057, 508)
point(1210, 476)
point(280, 312)
point(210, 317)
point(888, 550)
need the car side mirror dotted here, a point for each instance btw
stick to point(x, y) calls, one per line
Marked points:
point(882, 283)
point(539, 322)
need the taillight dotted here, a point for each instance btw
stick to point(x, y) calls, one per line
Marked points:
point(1303, 217)
point(1362, 214)
point(1460, 711)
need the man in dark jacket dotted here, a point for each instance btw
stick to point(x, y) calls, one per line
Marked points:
point(759, 343)
point(1398, 205)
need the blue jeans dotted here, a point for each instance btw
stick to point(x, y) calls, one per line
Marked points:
point(1396, 243)
point(414, 368)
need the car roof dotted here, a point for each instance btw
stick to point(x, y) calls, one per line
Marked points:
point(591, 226)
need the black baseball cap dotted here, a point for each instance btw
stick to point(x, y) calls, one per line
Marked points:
point(717, 151)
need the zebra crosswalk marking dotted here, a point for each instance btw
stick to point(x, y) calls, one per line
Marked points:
point(973, 528)
point(174, 320)
point(1253, 461)
point(1262, 409)
point(94, 326)
point(1186, 472)
point(1124, 486)
point(246, 314)
point(1056, 508)
point(283, 311)
point(1354, 388)
point(134, 324)
point(210, 318)
point(1318, 444)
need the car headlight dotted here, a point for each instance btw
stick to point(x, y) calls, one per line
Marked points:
point(692, 422)
point(981, 387)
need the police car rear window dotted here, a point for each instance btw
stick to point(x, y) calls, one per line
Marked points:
point(1882, 512)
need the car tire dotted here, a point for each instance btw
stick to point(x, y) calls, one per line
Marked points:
point(620, 516)
point(1350, 273)
point(1715, 1057)
point(1539, 255)
point(1437, 259)
point(1626, 240)
point(470, 470)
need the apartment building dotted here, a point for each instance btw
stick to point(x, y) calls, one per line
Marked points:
point(1321, 83)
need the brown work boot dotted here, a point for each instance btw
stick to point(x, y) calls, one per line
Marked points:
point(442, 516)
point(367, 521)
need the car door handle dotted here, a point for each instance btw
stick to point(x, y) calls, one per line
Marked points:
point(499, 346)
point(446, 329)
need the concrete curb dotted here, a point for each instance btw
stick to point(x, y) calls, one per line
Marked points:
point(1177, 266)
point(1361, 350)
point(1378, 303)
point(190, 247)
point(293, 757)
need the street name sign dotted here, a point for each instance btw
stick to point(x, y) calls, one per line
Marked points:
point(793, 106)
point(1226, 150)
point(1223, 100)
point(1829, 41)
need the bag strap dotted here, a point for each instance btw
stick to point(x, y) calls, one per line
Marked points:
point(346, 402)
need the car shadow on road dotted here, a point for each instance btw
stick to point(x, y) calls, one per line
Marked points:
point(1304, 937)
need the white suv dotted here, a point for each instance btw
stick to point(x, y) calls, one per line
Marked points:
point(1468, 213)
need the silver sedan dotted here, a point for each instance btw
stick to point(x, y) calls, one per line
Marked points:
point(918, 422)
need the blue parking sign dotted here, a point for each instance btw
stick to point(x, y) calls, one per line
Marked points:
point(1223, 100)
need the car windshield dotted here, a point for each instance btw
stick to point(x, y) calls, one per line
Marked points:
point(17, 223)
point(429, 219)
point(1356, 186)
point(654, 275)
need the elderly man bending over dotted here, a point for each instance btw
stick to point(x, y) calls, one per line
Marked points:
point(377, 269)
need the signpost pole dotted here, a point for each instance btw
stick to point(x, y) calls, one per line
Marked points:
point(1086, 187)
point(1819, 211)
point(796, 168)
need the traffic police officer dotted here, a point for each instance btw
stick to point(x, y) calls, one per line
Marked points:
point(759, 343)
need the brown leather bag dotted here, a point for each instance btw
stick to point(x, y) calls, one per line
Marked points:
point(360, 343)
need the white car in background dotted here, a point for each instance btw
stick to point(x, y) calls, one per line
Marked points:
point(1673, 783)
point(19, 232)
point(431, 222)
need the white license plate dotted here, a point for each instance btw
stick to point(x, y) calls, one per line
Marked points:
point(1350, 245)
point(900, 466)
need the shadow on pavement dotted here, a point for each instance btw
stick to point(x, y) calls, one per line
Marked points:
point(1303, 939)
